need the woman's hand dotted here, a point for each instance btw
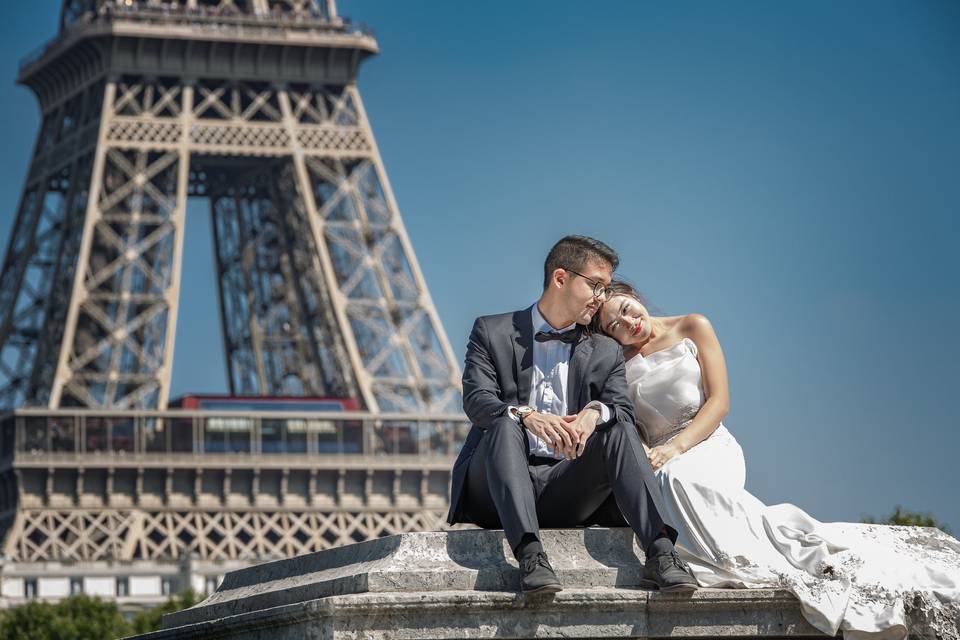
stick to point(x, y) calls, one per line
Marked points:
point(659, 456)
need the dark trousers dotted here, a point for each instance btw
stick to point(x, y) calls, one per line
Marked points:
point(611, 484)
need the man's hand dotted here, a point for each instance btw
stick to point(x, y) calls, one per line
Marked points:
point(555, 430)
point(583, 424)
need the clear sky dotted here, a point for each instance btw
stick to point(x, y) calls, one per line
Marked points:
point(791, 170)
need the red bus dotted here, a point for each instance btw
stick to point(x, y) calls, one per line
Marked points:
point(235, 434)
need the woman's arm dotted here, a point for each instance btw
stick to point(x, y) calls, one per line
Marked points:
point(713, 370)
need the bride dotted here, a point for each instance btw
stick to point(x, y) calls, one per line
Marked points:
point(861, 579)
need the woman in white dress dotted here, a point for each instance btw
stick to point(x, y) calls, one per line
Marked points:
point(864, 580)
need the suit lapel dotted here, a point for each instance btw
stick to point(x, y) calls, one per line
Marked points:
point(575, 372)
point(523, 353)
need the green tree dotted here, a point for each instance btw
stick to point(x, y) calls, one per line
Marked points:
point(75, 618)
point(84, 618)
point(150, 620)
point(903, 517)
point(31, 621)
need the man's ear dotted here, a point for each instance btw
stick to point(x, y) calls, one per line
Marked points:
point(558, 277)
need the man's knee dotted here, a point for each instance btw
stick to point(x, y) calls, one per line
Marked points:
point(622, 431)
point(504, 433)
point(624, 436)
point(504, 427)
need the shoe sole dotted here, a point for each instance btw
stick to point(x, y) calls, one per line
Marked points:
point(677, 588)
point(545, 589)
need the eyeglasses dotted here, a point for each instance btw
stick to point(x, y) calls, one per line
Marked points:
point(600, 290)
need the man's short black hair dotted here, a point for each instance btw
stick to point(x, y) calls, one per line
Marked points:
point(576, 252)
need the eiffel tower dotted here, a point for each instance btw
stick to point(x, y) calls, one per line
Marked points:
point(253, 106)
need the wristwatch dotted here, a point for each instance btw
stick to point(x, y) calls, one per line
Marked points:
point(523, 412)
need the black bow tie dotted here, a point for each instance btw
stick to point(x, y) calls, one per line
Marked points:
point(568, 337)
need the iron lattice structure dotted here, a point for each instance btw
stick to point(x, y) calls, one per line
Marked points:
point(127, 535)
point(164, 486)
point(320, 290)
point(252, 105)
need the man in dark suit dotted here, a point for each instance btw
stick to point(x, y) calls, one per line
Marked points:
point(553, 440)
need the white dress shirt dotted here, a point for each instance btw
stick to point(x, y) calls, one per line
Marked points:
point(548, 387)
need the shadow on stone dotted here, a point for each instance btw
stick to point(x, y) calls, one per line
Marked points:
point(484, 551)
point(616, 548)
point(331, 559)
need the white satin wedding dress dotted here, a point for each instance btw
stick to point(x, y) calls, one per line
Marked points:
point(865, 580)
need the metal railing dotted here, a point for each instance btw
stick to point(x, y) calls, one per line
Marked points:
point(118, 434)
point(245, 24)
point(178, 14)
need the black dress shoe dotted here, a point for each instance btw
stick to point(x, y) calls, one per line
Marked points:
point(537, 576)
point(668, 572)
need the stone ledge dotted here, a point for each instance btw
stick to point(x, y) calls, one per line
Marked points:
point(468, 560)
point(601, 612)
point(463, 584)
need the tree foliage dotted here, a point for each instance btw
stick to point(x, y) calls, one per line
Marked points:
point(75, 618)
point(81, 617)
point(150, 620)
point(901, 516)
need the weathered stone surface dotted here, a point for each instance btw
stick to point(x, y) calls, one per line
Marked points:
point(438, 561)
point(601, 612)
point(463, 584)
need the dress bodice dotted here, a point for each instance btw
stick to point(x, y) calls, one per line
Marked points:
point(666, 389)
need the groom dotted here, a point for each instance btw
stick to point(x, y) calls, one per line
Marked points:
point(553, 442)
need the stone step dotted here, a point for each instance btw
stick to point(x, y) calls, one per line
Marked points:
point(469, 560)
point(601, 612)
point(464, 584)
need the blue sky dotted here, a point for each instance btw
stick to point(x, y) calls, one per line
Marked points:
point(788, 169)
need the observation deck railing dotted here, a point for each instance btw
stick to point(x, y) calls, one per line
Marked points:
point(124, 436)
point(246, 24)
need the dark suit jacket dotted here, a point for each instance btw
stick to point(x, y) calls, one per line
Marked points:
point(499, 371)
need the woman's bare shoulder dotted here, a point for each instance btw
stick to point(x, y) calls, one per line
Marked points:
point(693, 323)
point(698, 328)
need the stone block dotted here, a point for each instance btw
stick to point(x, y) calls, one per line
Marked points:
point(464, 584)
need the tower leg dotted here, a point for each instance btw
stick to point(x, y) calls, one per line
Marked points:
point(280, 336)
point(397, 345)
point(119, 326)
point(42, 253)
